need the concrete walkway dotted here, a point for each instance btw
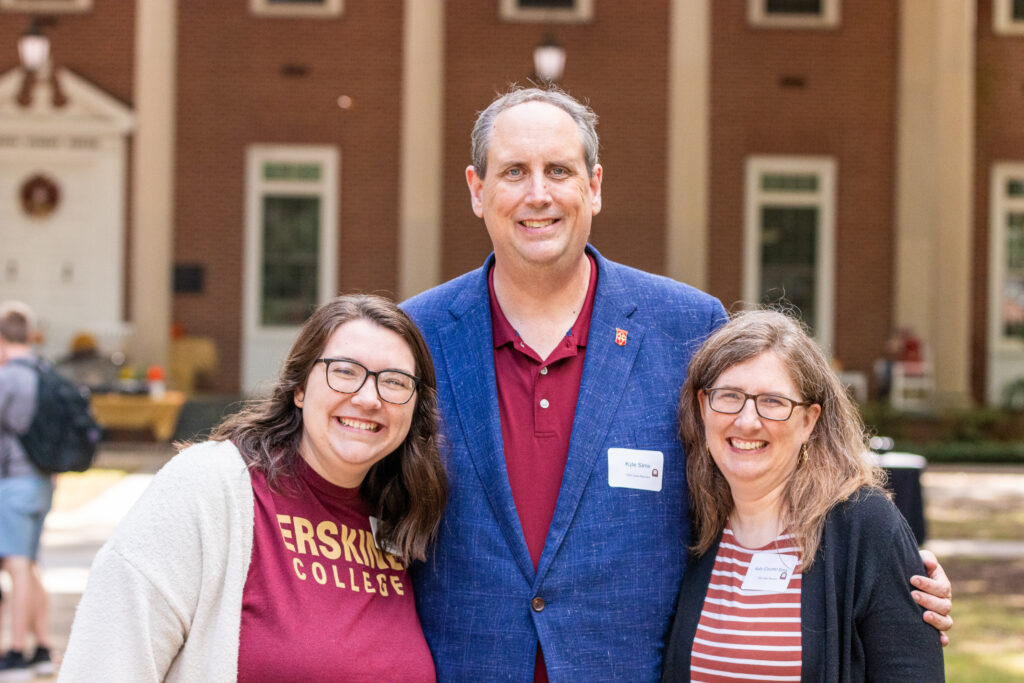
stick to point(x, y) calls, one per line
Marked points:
point(72, 536)
point(976, 485)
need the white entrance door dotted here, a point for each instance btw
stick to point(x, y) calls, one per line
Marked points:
point(291, 250)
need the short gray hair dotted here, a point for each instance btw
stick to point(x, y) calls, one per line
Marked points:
point(582, 115)
point(17, 322)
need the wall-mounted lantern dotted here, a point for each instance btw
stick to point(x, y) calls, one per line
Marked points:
point(549, 60)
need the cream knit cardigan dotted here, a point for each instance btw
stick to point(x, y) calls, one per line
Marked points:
point(164, 597)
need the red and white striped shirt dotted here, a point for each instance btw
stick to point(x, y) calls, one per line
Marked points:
point(751, 635)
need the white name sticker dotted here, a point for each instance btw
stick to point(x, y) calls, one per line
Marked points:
point(634, 469)
point(769, 572)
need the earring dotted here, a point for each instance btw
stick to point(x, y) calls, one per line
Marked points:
point(803, 454)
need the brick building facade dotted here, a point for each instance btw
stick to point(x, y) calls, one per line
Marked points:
point(847, 155)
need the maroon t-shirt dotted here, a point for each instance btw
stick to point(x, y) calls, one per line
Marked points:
point(537, 405)
point(322, 601)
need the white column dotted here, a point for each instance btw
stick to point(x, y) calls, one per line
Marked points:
point(420, 210)
point(935, 185)
point(152, 215)
point(688, 136)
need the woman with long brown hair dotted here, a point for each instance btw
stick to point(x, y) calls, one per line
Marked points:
point(278, 549)
point(800, 563)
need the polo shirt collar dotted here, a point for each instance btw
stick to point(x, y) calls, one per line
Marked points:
point(503, 332)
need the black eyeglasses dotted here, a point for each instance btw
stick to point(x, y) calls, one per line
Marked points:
point(348, 376)
point(769, 406)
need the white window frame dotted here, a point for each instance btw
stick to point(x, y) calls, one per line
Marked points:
point(1005, 359)
point(326, 188)
point(1000, 206)
point(264, 347)
point(46, 5)
point(328, 9)
point(824, 199)
point(582, 12)
point(829, 17)
point(1003, 22)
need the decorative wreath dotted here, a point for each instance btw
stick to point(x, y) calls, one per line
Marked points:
point(39, 196)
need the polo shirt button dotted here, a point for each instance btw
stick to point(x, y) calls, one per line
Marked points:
point(544, 403)
point(543, 371)
point(537, 604)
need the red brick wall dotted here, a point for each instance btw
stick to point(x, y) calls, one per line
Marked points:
point(232, 93)
point(98, 45)
point(619, 63)
point(845, 110)
point(999, 136)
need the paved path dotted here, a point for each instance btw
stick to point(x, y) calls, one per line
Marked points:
point(72, 536)
point(988, 485)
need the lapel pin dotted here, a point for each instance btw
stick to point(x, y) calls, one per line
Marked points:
point(620, 336)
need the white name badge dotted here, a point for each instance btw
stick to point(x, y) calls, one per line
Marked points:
point(769, 572)
point(634, 469)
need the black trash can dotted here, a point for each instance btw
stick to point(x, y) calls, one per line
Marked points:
point(904, 473)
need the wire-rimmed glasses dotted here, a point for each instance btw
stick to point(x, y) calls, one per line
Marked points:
point(347, 376)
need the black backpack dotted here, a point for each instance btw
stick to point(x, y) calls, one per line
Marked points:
point(63, 435)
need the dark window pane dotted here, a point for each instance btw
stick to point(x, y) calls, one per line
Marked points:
point(789, 182)
point(291, 240)
point(1018, 10)
point(285, 171)
point(1015, 186)
point(789, 258)
point(547, 4)
point(812, 7)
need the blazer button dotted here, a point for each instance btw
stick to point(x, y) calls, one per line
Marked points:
point(537, 604)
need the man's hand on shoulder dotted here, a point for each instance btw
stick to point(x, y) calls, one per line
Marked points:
point(934, 593)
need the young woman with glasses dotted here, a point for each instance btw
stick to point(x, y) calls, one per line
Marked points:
point(800, 564)
point(278, 549)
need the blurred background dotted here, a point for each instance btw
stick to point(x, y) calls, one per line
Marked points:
point(181, 181)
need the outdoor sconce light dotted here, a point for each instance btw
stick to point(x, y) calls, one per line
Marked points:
point(34, 47)
point(549, 60)
point(34, 51)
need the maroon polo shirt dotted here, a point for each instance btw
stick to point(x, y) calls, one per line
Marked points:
point(537, 404)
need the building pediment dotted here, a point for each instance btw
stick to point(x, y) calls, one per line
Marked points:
point(75, 107)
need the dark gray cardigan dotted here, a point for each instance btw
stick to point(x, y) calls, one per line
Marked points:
point(858, 621)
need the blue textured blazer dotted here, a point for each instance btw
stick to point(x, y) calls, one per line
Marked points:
point(609, 573)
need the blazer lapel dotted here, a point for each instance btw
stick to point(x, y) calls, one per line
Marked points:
point(468, 343)
point(606, 372)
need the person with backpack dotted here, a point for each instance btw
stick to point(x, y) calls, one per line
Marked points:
point(25, 496)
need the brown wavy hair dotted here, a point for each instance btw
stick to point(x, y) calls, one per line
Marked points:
point(407, 489)
point(835, 466)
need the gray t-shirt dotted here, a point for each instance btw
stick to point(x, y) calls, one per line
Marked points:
point(18, 387)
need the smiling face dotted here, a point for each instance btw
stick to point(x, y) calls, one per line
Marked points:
point(537, 199)
point(754, 454)
point(343, 435)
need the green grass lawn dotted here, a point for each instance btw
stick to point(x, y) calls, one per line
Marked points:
point(988, 610)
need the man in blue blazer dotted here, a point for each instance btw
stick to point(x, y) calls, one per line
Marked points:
point(564, 540)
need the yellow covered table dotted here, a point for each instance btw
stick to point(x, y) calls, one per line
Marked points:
point(139, 411)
